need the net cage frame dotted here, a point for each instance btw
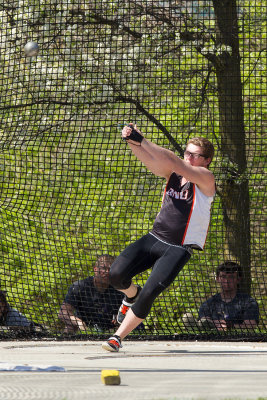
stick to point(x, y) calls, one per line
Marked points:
point(70, 188)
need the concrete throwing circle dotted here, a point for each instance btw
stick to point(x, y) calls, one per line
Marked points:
point(148, 370)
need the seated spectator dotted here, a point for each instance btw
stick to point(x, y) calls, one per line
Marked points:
point(11, 317)
point(230, 308)
point(91, 301)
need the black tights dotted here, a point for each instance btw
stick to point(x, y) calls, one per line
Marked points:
point(168, 260)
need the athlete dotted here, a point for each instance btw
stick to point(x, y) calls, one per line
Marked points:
point(181, 226)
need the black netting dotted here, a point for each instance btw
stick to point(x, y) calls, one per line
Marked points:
point(70, 188)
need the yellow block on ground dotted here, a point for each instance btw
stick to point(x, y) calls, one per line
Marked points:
point(110, 377)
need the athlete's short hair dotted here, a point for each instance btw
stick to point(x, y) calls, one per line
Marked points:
point(229, 267)
point(107, 259)
point(206, 146)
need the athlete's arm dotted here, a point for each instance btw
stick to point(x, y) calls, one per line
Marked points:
point(162, 162)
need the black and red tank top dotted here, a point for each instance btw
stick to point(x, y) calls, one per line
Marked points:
point(185, 214)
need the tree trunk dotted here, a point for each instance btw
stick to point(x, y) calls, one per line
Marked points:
point(235, 190)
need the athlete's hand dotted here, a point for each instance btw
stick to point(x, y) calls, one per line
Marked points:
point(132, 134)
point(126, 131)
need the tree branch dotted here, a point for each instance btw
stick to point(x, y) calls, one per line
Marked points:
point(51, 101)
point(151, 118)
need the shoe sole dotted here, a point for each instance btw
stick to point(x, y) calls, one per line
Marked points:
point(107, 347)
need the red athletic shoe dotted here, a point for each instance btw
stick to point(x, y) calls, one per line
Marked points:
point(112, 344)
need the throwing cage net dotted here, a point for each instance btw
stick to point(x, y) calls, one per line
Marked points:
point(70, 188)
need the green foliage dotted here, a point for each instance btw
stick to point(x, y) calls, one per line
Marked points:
point(70, 188)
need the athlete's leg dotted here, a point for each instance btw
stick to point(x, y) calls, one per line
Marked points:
point(131, 292)
point(130, 322)
point(164, 272)
point(135, 259)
